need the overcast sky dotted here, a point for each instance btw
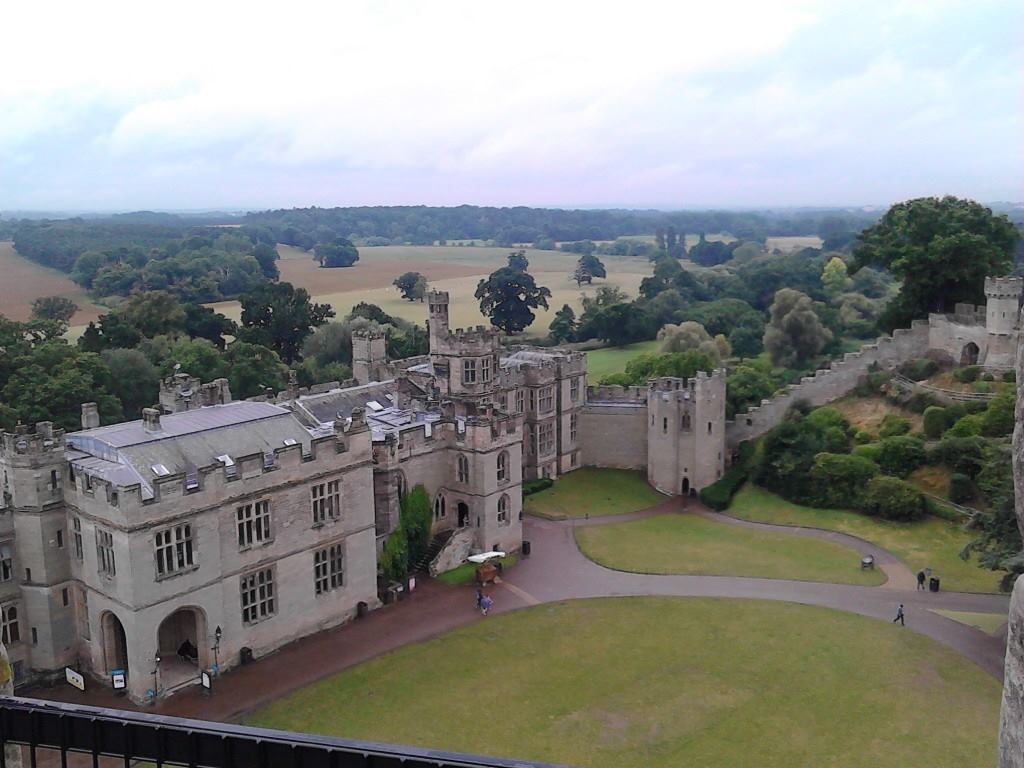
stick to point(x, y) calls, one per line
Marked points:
point(213, 104)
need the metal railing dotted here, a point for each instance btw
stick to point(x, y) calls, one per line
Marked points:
point(52, 731)
point(950, 394)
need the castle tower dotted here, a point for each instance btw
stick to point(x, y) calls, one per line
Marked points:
point(182, 392)
point(369, 355)
point(437, 323)
point(1002, 321)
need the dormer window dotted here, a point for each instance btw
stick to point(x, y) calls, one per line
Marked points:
point(160, 470)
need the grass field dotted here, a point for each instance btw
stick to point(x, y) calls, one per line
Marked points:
point(691, 544)
point(792, 243)
point(593, 492)
point(604, 362)
point(867, 412)
point(929, 543)
point(466, 573)
point(667, 682)
point(989, 623)
point(22, 281)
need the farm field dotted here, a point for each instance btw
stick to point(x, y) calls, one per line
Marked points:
point(22, 281)
point(659, 682)
point(793, 243)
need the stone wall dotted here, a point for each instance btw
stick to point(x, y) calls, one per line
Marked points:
point(614, 435)
point(454, 552)
point(831, 383)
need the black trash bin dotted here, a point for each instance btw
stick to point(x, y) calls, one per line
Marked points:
point(245, 654)
point(526, 549)
point(362, 609)
point(933, 584)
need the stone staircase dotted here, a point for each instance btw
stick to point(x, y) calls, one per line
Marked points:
point(436, 545)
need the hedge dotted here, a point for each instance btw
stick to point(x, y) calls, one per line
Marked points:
point(893, 425)
point(533, 486)
point(960, 489)
point(893, 499)
point(919, 369)
point(840, 479)
point(968, 374)
point(900, 455)
point(936, 421)
point(719, 494)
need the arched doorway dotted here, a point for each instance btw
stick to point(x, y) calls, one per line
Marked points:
point(463, 514)
point(969, 355)
point(183, 647)
point(686, 486)
point(115, 643)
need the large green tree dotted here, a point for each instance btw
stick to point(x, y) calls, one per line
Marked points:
point(337, 253)
point(134, 380)
point(281, 317)
point(941, 249)
point(57, 308)
point(509, 296)
point(563, 326)
point(795, 332)
point(413, 285)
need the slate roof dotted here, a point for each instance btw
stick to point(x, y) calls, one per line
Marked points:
point(339, 403)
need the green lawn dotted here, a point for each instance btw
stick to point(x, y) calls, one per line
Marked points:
point(986, 622)
point(691, 544)
point(928, 543)
point(604, 362)
point(668, 682)
point(594, 492)
point(466, 573)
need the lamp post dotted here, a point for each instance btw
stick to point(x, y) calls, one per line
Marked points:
point(156, 675)
point(216, 650)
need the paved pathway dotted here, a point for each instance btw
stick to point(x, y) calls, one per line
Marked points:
point(557, 570)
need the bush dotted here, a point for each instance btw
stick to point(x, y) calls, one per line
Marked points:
point(982, 387)
point(840, 480)
point(540, 484)
point(870, 451)
point(919, 369)
point(1010, 376)
point(828, 417)
point(861, 436)
point(967, 374)
point(956, 411)
point(719, 494)
point(893, 425)
point(786, 455)
point(919, 402)
point(986, 376)
point(960, 488)
point(965, 455)
point(975, 406)
point(900, 455)
point(997, 421)
point(968, 426)
point(936, 421)
point(893, 499)
point(837, 440)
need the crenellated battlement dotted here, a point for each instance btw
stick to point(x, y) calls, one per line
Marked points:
point(1004, 287)
point(45, 440)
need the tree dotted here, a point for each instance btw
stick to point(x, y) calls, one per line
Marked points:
point(786, 458)
point(338, 253)
point(618, 324)
point(709, 253)
point(267, 257)
point(690, 335)
point(517, 260)
point(197, 357)
point(252, 369)
point(203, 323)
point(508, 297)
point(152, 313)
point(56, 308)
point(640, 369)
point(582, 275)
point(563, 326)
point(942, 249)
point(134, 380)
point(593, 265)
point(281, 317)
point(794, 333)
point(834, 278)
point(412, 285)
point(747, 385)
point(840, 479)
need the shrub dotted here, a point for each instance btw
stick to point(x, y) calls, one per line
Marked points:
point(893, 425)
point(967, 374)
point(997, 421)
point(966, 455)
point(870, 451)
point(982, 387)
point(975, 406)
point(719, 494)
point(837, 440)
point(919, 369)
point(919, 402)
point(877, 380)
point(828, 417)
point(533, 486)
point(987, 376)
point(968, 426)
point(1010, 376)
point(900, 455)
point(786, 455)
point(893, 499)
point(861, 436)
point(840, 480)
point(936, 421)
point(956, 411)
point(960, 488)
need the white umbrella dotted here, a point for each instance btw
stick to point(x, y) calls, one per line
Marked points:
point(483, 557)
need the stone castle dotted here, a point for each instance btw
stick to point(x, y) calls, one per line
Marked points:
point(230, 528)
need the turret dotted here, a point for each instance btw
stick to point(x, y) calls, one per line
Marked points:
point(1003, 294)
point(437, 322)
point(182, 392)
point(369, 355)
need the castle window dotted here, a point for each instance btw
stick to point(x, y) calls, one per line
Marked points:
point(65, 597)
point(105, 553)
point(258, 601)
point(440, 508)
point(54, 480)
point(503, 466)
point(6, 561)
point(684, 422)
point(253, 523)
point(60, 538)
point(520, 401)
point(709, 427)
point(664, 425)
point(82, 612)
point(503, 502)
point(174, 550)
point(533, 400)
point(328, 568)
point(469, 371)
point(485, 370)
point(76, 537)
point(463, 469)
point(547, 399)
point(326, 501)
point(11, 632)
point(545, 439)
point(573, 421)
point(574, 389)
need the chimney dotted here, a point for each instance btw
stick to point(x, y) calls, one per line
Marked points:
point(151, 419)
point(90, 416)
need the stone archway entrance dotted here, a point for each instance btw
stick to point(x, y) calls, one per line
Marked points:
point(686, 486)
point(181, 640)
point(969, 355)
point(463, 514)
point(115, 643)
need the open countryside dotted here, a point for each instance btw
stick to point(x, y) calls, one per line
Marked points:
point(22, 281)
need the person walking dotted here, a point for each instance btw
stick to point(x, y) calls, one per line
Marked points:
point(479, 597)
point(920, 579)
point(899, 616)
point(485, 604)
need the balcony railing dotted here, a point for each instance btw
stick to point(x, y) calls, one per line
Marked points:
point(52, 732)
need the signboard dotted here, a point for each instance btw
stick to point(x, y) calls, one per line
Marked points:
point(74, 678)
point(118, 679)
point(204, 680)
point(412, 583)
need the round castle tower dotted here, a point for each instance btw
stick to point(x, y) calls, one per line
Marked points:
point(1002, 320)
